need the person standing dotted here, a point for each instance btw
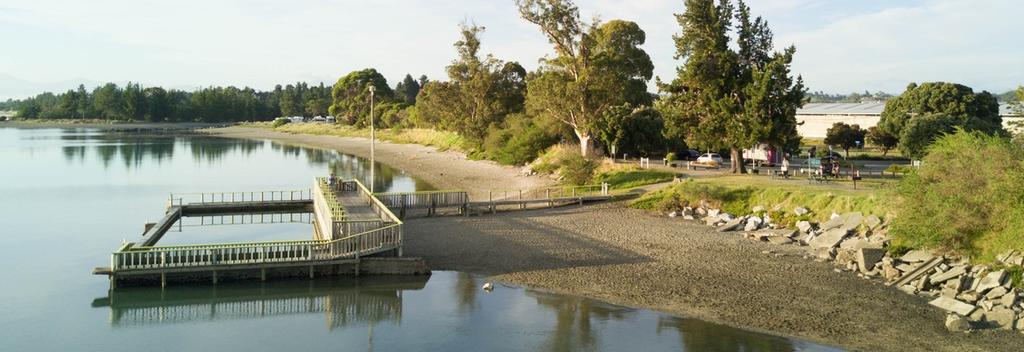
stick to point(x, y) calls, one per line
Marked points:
point(785, 167)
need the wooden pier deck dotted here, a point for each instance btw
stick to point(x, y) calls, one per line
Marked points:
point(349, 224)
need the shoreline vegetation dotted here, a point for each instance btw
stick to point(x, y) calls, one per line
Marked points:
point(671, 266)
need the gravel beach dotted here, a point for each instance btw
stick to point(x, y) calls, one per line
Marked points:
point(633, 258)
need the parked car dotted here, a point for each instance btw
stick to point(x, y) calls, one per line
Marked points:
point(691, 155)
point(710, 158)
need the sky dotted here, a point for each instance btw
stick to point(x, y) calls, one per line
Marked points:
point(842, 45)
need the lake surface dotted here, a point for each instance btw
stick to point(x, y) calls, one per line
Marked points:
point(68, 197)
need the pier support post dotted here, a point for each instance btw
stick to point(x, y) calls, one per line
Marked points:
point(163, 280)
point(214, 277)
point(263, 274)
point(310, 271)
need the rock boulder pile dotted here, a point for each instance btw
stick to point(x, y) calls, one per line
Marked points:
point(975, 296)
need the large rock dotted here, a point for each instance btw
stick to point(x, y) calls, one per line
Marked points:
point(990, 281)
point(851, 221)
point(835, 222)
point(996, 293)
point(951, 274)
point(829, 239)
point(804, 226)
point(714, 212)
point(957, 323)
point(801, 211)
point(780, 240)
point(731, 225)
point(1001, 318)
point(953, 305)
point(871, 222)
point(753, 224)
point(868, 257)
point(1009, 299)
point(915, 256)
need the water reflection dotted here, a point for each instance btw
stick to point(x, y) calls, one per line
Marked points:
point(342, 302)
point(446, 311)
point(136, 150)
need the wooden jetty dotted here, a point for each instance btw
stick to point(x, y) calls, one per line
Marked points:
point(354, 232)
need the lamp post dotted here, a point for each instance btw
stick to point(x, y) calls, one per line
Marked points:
point(373, 140)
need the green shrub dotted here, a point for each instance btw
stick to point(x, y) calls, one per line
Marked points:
point(899, 169)
point(567, 161)
point(520, 142)
point(967, 197)
point(671, 157)
point(279, 122)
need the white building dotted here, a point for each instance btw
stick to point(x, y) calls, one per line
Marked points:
point(816, 118)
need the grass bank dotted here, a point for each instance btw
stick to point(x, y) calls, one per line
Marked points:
point(428, 137)
point(739, 194)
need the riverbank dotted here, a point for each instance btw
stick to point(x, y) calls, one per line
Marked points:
point(630, 257)
point(633, 258)
point(442, 169)
point(111, 125)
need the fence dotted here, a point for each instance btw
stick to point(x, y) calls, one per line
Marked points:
point(361, 238)
point(238, 197)
point(430, 200)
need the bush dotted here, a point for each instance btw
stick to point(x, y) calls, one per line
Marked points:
point(967, 197)
point(517, 144)
point(670, 157)
point(566, 161)
point(280, 122)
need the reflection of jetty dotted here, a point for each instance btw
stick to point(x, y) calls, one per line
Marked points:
point(343, 303)
point(350, 224)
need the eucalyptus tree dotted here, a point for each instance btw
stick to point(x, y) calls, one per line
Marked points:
point(596, 67)
point(480, 91)
point(730, 96)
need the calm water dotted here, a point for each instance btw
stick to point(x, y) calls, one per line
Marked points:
point(69, 197)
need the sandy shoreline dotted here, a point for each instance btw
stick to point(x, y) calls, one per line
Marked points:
point(444, 170)
point(632, 258)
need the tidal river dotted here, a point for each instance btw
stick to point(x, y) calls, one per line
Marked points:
point(68, 197)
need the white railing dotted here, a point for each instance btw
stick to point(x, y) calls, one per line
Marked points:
point(239, 197)
point(361, 238)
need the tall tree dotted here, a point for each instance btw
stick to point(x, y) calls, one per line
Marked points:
point(845, 136)
point(883, 140)
point(407, 90)
point(480, 92)
point(940, 107)
point(351, 96)
point(730, 97)
point(596, 68)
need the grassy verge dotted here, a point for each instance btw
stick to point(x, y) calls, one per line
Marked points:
point(440, 139)
point(626, 177)
point(738, 194)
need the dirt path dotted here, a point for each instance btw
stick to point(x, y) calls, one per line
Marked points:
point(444, 170)
point(629, 257)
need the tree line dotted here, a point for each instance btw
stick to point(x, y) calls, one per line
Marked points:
point(732, 90)
point(133, 102)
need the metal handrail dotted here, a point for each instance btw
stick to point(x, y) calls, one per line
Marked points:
point(239, 197)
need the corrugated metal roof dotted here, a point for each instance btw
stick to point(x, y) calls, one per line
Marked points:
point(872, 108)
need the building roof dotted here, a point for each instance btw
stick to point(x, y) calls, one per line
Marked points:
point(872, 108)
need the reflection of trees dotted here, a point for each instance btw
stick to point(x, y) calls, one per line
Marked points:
point(214, 149)
point(466, 290)
point(696, 335)
point(573, 317)
point(72, 153)
point(343, 302)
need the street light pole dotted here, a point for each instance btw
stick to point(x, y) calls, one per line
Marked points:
point(373, 140)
